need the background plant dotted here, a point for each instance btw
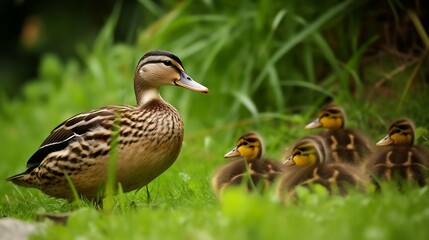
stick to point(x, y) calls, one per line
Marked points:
point(269, 66)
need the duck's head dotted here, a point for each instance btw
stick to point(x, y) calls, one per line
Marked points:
point(307, 151)
point(330, 117)
point(249, 146)
point(159, 68)
point(401, 133)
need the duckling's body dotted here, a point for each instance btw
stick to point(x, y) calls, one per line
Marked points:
point(400, 159)
point(311, 164)
point(256, 171)
point(347, 145)
point(148, 138)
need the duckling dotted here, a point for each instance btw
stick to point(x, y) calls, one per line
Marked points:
point(311, 164)
point(400, 159)
point(148, 137)
point(251, 167)
point(347, 145)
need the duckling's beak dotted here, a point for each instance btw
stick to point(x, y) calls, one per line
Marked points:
point(385, 141)
point(289, 161)
point(187, 82)
point(233, 153)
point(314, 124)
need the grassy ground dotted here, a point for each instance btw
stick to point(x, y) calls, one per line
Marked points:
point(269, 66)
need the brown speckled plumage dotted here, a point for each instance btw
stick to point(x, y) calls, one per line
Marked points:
point(149, 139)
point(335, 177)
point(263, 172)
point(400, 160)
point(346, 145)
point(250, 169)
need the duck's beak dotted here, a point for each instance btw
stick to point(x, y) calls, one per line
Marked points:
point(385, 141)
point(232, 153)
point(186, 81)
point(289, 161)
point(314, 124)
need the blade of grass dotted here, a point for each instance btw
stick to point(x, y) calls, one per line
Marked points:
point(105, 37)
point(354, 61)
point(308, 62)
point(77, 199)
point(159, 28)
point(275, 85)
point(110, 189)
point(410, 80)
point(312, 86)
point(419, 27)
point(151, 6)
point(301, 36)
point(423, 35)
point(247, 102)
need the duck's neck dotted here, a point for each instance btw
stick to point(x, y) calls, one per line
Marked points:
point(147, 95)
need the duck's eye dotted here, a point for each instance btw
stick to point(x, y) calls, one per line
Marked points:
point(397, 130)
point(298, 153)
point(244, 143)
point(326, 115)
point(167, 63)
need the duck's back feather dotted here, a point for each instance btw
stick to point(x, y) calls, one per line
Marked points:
point(400, 163)
point(72, 129)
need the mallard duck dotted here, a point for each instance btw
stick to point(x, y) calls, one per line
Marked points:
point(347, 145)
point(258, 172)
point(309, 162)
point(149, 137)
point(400, 159)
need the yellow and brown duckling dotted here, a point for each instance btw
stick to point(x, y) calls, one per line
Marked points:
point(400, 159)
point(347, 145)
point(149, 137)
point(309, 162)
point(250, 169)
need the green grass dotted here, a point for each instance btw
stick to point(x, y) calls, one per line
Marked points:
point(269, 67)
point(259, 217)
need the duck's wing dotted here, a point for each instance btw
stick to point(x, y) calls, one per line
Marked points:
point(70, 130)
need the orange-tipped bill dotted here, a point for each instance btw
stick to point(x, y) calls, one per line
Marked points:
point(314, 124)
point(386, 141)
point(187, 82)
point(289, 161)
point(233, 153)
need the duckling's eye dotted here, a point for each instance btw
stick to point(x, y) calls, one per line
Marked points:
point(252, 147)
point(167, 63)
point(298, 153)
point(397, 130)
point(244, 143)
point(326, 115)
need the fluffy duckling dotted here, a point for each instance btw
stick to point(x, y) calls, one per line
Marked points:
point(148, 137)
point(310, 163)
point(400, 159)
point(347, 145)
point(258, 172)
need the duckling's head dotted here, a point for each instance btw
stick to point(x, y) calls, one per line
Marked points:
point(249, 146)
point(159, 68)
point(401, 133)
point(307, 151)
point(330, 117)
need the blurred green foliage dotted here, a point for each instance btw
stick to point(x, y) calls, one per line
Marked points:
point(269, 66)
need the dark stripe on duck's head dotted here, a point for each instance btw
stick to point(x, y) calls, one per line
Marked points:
point(251, 137)
point(403, 124)
point(163, 53)
point(254, 140)
point(333, 109)
point(318, 143)
point(333, 112)
point(405, 127)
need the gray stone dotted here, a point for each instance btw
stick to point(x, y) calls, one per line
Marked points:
point(15, 229)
